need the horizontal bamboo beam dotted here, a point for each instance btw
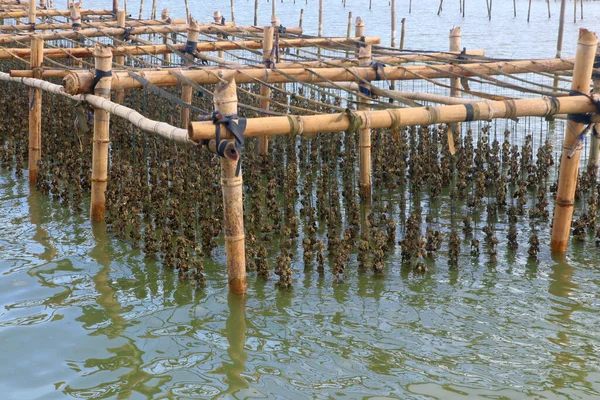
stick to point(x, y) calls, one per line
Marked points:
point(103, 24)
point(147, 125)
point(50, 13)
point(82, 52)
point(139, 30)
point(77, 82)
point(395, 117)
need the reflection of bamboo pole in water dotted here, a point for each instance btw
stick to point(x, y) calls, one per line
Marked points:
point(41, 235)
point(106, 298)
point(235, 328)
point(561, 285)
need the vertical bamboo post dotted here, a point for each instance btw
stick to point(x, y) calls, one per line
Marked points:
point(115, 6)
point(75, 15)
point(320, 18)
point(193, 32)
point(410, 7)
point(548, 4)
point(402, 33)
point(265, 91)
point(141, 8)
point(455, 38)
point(595, 140)
point(153, 12)
point(301, 18)
point(225, 100)
point(32, 17)
point(464, 5)
point(120, 59)
point(255, 12)
point(349, 30)
point(274, 19)
point(364, 135)
point(393, 43)
point(440, 7)
point(233, 10)
point(574, 11)
point(581, 2)
point(103, 63)
point(187, 11)
point(561, 30)
point(572, 145)
point(218, 18)
point(35, 109)
point(515, 8)
point(529, 11)
point(164, 16)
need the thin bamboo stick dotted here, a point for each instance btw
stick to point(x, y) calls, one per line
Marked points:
point(102, 24)
point(233, 11)
point(103, 58)
point(186, 90)
point(594, 157)
point(120, 59)
point(265, 91)
point(218, 18)
point(559, 42)
point(402, 33)
point(77, 82)
point(572, 145)
point(141, 8)
point(164, 15)
point(51, 13)
point(35, 112)
point(574, 11)
point(548, 4)
point(31, 14)
point(202, 47)
point(255, 12)
point(529, 11)
point(454, 130)
point(393, 43)
point(364, 135)
point(225, 99)
point(321, 5)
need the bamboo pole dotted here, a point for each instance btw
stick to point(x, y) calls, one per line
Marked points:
point(225, 99)
point(561, 30)
point(402, 33)
point(103, 58)
point(389, 60)
point(35, 112)
point(120, 59)
point(595, 139)
point(51, 13)
point(529, 11)
point(574, 11)
point(394, 117)
point(265, 91)
point(218, 19)
point(186, 90)
point(201, 47)
point(31, 13)
point(141, 8)
point(321, 5)
point(515, 8)
point(164, 15)
point(548, 4)
point(115, 6)
point(454, 129)
point(572, 145)
point(98, 24)
point(77, 82)
point(364, 135)
point(393, 43)
point(255, 12)
point(233, 11)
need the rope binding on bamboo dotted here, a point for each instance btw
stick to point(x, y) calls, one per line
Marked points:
point(230, 149)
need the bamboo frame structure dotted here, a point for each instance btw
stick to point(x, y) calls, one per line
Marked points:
point(103, 58)
point(95, 24)
point(594, 156)
point(454, 129)
point(572, 145)
point(35, 112)
point(225, 99)
point(52, 13)
point(78, 82)
point(120, 59)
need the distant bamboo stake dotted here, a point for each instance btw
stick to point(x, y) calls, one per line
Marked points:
point(581, 2)
point(35, 111)
point(574, 11)
point(410, 6)
point(548, 3)
point(225, 100)
point(153, 13)
point(320, 18)
point(489, 9)
point(594, 157)
point(529, 11)
point(572, 145)
point(440, 7)
point(364, 135)
point(164, 15)
point(265, 91)
point(393, 84)
point(187, 11)
point(217, 18)
point(255, 12)
point(141, 8)
point(559, 42)
point(233, 10)
point(103, 58)
point(402, 33)
point(455, 128)
point(515, 7)
point(301, 18)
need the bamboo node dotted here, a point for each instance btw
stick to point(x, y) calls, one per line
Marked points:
point(564, 203)
point(232, 182)
point(235, 238)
